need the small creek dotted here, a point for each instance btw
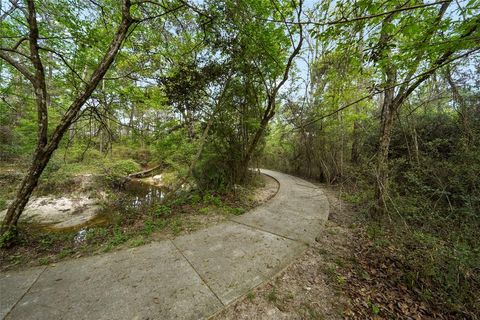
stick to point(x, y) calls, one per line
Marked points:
point(140, 194)
point(135, 197)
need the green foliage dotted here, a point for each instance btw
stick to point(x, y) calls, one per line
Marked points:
point(140, 155)
point(272, 295)
point(136, 242)
point(181, 198)
point(44, 261)
point(46, 241)
point(96, 233)
point(176, 225)
point(167, 87)
point(118, 238)
point(6, 238)
point(434, 206)
point(148, 227)
point(204, 210)
point(211, 199)
point(124, 167)
point(195, 198)
point(213, 173)
point(235, 211)
point(162, 210)
point(176, 150)
point(3, 203)
point(65, 253)
point(116, 172)
point(375, 308)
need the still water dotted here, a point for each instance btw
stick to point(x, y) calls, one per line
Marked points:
point(136, 197)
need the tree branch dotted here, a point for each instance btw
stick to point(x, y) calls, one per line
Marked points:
point(17, 65)
point(429, 72)
point(426, 38)
point(96, 77)
point(441, 61)
point(344, 21)
point(58, 54)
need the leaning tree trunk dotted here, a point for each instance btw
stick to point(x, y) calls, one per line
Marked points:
point(389, 108)
point(392, 103)
point(45, 146)
point(271, 103)
point(29, 182)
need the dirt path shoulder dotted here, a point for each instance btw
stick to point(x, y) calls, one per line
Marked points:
point(310, 287)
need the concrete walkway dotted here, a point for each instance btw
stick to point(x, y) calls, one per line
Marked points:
point(190, 277)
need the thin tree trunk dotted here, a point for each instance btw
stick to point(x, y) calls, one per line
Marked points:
point(190, 123)
point(342, 146)
point(355, 155)
point(101, 147)
point(252, 147)
point(130, 122)
point(24, 192)
point(388, 114)
point(462, 109)
point(271, 102)
point(202, 142)
point(416, 150)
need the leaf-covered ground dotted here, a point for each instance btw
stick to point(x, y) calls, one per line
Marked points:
point(340, 276)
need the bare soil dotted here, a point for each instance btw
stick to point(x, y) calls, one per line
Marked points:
point(267, 189)
point(59, 212)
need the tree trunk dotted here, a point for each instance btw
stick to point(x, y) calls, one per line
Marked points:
point(190, 123)
point(355, 156)
point(29, 182)
point(462, 109)
point(271, 103)
point(416, 149)
point(342, 147)
point(130, 123)
point(252, 147)
point(46, 148)
point(388, 115)
point(101, 147)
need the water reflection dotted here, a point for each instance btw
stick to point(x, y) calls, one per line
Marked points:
point(140, 194)
point(137, 197)
point(80, 236)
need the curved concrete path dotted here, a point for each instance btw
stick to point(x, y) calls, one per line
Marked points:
point(190, 277)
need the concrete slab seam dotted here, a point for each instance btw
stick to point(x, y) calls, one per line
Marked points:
point(270, 232)
point(266, 280)
point(198, 274)
point(306, 186)
point(25, 293)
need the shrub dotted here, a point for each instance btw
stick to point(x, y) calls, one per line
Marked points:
point(116, 172)
point(3, 203)
point(162, 210)
point(140, 155)
point(212, 200)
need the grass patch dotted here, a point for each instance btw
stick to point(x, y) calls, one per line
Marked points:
point(136, 242)
point(272, 295)
point(44, 261)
